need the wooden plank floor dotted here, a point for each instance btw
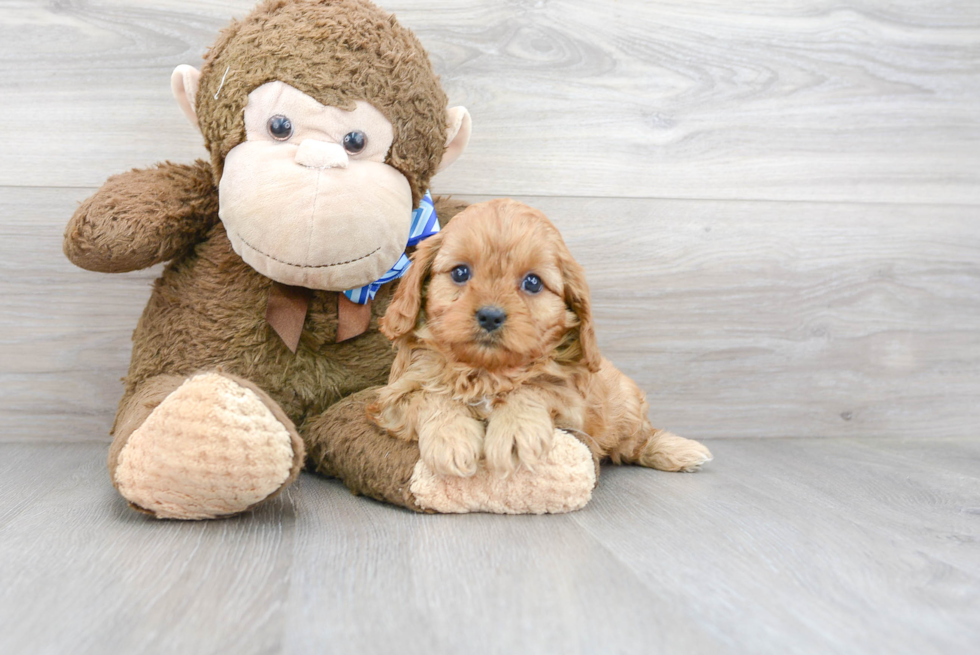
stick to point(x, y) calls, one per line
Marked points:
point(779, 546)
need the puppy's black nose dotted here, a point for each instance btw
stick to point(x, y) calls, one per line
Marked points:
point(490, 318)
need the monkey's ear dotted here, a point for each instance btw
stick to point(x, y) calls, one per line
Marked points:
point(184, 82)
point(457, 135)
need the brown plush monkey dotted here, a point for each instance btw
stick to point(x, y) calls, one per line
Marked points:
point(325, 123)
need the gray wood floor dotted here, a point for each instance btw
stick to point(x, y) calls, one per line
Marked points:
point(779, 546)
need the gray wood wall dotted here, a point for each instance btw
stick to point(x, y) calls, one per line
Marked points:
point(776, 202)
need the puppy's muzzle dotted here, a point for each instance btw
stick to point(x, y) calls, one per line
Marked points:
point(490, 318)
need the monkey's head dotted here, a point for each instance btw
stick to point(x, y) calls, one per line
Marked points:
point(325, 123)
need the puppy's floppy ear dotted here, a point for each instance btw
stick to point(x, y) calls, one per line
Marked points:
point(577, 299)
point(403, 311)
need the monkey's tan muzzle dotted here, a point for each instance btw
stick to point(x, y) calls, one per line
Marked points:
point(320, 225)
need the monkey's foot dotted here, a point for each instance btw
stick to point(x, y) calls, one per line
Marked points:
point(562, 481)
point(214, 447)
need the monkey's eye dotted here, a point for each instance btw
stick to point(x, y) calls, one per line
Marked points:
point(532, 283)
point(280, 128)
point(460, 274)
point(354, 142)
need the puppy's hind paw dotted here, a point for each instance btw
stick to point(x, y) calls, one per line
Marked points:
point(668, 452)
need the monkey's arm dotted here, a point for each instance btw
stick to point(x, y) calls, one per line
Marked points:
point(143, 217)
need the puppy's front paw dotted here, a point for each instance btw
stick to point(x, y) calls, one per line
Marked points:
point(513, 439)
point(454, 448)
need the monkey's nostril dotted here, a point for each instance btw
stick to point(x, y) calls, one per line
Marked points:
point(490, 318)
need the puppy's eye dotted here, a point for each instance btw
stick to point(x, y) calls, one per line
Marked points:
point(354, 142)
point(460, 274)
point(280, 128)
point(532, 283)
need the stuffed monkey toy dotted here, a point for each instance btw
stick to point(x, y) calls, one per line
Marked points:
point(324, 123)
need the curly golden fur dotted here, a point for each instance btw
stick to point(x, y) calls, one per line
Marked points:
point(467, 390)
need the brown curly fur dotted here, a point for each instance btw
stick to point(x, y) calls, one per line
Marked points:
point(463, 391)
point(143, 217)
point(207, 310)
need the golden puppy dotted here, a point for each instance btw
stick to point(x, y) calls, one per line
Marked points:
point(496, 349)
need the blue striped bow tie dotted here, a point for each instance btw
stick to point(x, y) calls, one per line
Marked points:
point(424, 225)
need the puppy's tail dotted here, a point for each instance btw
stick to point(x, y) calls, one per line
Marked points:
point(666, 451)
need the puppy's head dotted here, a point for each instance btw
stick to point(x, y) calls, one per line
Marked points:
point(496, 288)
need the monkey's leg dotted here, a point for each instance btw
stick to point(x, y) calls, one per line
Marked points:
point(343, 443)
point(201, 447)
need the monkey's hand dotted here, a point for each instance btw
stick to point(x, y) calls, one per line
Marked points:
point(143, 217)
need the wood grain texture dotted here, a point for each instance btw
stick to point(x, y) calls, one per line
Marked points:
point(738, 319)
point(812, 544)
point(859, 101)
point(801, 546)
point(64, 332)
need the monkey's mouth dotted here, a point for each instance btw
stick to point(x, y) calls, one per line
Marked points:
point(309, 266)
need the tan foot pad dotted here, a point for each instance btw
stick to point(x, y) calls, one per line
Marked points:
point(562, 482)
point(211, 448)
